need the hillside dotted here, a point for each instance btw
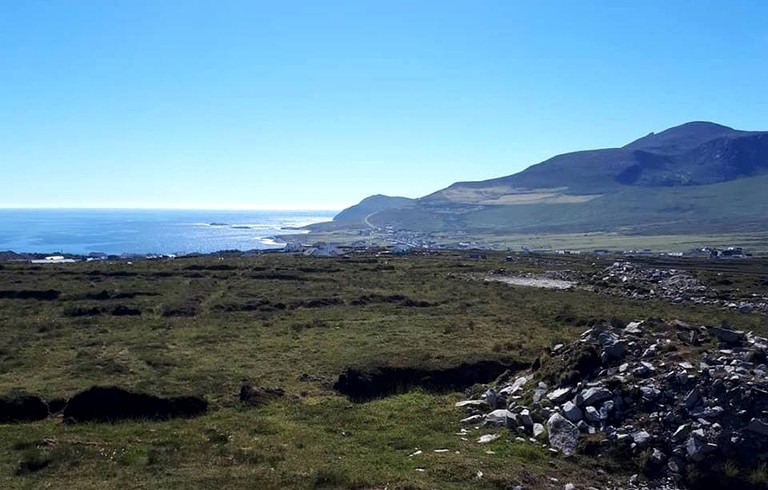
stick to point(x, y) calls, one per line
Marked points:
point(373, 204)
point(696, 177)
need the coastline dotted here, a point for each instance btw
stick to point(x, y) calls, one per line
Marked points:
point(149, 232)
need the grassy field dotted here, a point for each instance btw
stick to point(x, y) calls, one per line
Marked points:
point(755, 242)
point(204, 325)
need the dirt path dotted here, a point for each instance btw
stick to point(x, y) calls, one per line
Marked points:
point(368, 222)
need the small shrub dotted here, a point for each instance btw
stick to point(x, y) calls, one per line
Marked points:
point(330, 478)
point(216, 436)
point(132, 457)
point(759, 476)
point(163, 454)
point(730, 470)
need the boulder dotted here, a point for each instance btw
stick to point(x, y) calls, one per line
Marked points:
point(643, 370)
point(613, 347)
point(513, 422)
point(681, 433)
point(519, 383)
point(606, 408)
point(657, 457)
point(758, 426)
point(676, 465)
point(474, 419)
point(651, 351)
point(650, 393)
point(539, 392)
point(745, 308)
point(572, 412)
point(525, 418)
point(491, 397)
point(607, 338)
point(697, 448)
point(692, 398)
point(593, 396)
point(727, 335)
point(470, 403)
point(634, 328)
point(563, 435)
point(592, 414)
point(485, 439)
point(641, 438)
point(498, 417)
point(559, 395)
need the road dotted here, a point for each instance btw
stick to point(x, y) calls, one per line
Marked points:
point(368, 222)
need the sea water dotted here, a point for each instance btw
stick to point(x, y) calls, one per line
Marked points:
point(144, 231)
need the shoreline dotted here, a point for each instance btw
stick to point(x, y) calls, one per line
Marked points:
point(93, 233)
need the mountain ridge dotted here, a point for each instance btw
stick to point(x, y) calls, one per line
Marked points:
point(600, 189)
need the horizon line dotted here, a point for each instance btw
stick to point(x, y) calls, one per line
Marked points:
point(176, 208)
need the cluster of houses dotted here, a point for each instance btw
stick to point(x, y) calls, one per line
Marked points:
point(711, 252)
point(322, 249)
point(727, 253)
point(395, 247)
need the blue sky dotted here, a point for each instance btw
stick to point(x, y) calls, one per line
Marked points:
point(306, 104)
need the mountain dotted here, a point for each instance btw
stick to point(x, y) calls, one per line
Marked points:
point(373, 204)
point(697, 177)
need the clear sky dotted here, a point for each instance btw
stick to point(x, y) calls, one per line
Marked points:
point(317, 104)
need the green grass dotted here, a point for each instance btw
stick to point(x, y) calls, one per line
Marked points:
point(279, 320)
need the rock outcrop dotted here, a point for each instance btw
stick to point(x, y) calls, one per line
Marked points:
point(632, 280)
point(679, 399)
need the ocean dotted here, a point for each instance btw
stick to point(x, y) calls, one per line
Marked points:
point(144, 231)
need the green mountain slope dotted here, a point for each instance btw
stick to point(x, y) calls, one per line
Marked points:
point(373, 204)
point(698, 177)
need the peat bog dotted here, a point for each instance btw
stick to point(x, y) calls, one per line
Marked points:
point(283, 371)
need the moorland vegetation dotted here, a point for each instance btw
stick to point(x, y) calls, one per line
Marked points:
point(263, 340)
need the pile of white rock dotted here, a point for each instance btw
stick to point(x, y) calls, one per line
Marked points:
point(672, 396)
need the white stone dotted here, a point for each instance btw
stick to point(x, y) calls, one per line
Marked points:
point(488, 438)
